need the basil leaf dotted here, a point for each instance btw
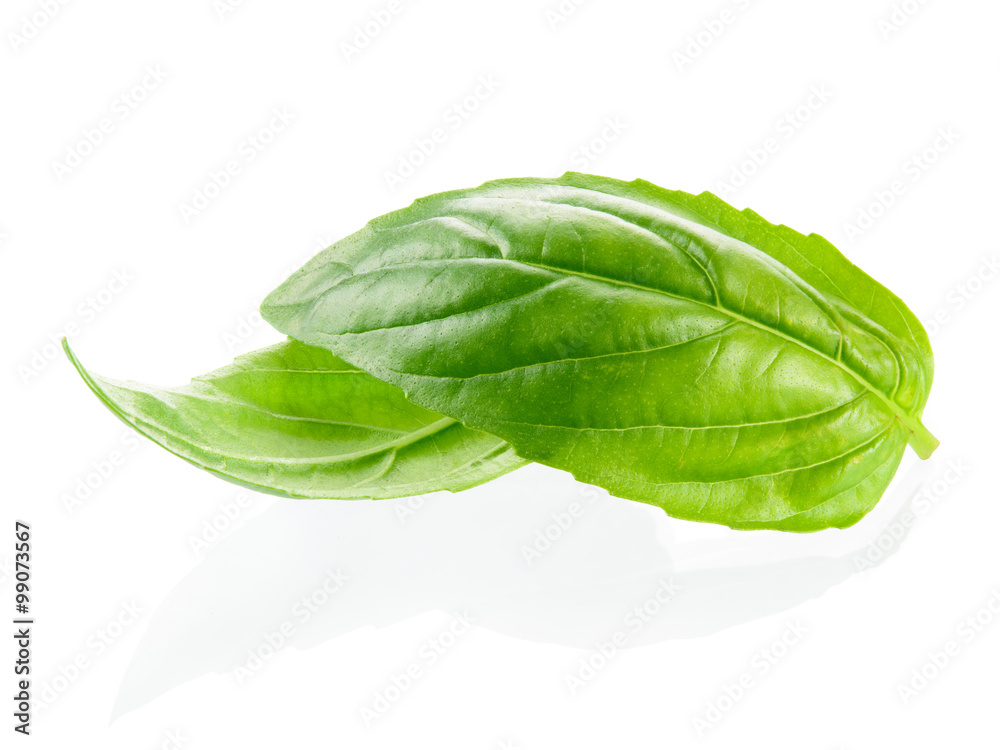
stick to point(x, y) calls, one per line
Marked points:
point(294, 420)
point(664, 346)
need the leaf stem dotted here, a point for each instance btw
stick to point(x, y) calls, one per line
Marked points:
point(920, 439)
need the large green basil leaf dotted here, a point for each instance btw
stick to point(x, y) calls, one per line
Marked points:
point(664, 346)
point(294, 420)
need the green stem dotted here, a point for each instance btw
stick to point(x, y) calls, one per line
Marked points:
point(921, 440)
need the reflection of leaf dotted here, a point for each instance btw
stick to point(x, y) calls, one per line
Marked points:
point(741, 373)
point(296, 421)
point(462, 552)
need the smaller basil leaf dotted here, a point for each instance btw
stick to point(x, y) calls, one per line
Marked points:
point(296, 421)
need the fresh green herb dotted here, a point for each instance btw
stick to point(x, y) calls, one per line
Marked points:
point(664, 346)
point(296, 421)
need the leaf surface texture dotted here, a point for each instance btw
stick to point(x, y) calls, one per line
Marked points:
point(662, 345)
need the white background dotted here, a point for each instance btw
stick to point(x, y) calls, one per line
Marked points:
point(889, 88)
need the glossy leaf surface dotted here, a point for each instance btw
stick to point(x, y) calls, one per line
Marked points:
point(296, 421)
point(664, 346)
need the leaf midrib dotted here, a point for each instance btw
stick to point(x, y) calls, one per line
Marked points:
point(904, 418)
point(95, 383)
point(392, 446)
